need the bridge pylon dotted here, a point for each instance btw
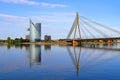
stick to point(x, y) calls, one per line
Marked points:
point(74, 28)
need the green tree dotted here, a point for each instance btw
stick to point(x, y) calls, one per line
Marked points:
point(21, 39)
point(9, 40)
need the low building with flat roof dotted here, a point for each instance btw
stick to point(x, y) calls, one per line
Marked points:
point(47, 38)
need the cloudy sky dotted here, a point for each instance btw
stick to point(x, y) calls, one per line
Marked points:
point(56, 16)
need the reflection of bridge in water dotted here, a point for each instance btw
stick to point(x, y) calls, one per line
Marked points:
point(82, 57)
point(90, 57)
point(91, 32)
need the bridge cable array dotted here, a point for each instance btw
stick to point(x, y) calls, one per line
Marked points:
point(91, 29)
point(101, 25)
point(94, 28)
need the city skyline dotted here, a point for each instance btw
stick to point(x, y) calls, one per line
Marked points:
point(56, 16)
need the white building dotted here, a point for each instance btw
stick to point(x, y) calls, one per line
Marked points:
point(35, 32)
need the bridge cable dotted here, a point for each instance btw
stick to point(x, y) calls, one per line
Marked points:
point(98, 31)
point(106, 27)
point(72, 28)
point(87, 30)
point(83, 32)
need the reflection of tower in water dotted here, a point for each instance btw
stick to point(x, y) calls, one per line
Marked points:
point(84, 58)
point(35, 54)
point(75, 58)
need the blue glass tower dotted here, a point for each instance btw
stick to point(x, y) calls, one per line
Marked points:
point(35, 32)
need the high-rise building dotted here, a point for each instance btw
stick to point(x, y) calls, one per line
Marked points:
point(35, 32)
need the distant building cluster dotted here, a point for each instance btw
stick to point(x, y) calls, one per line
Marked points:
point(47, 38)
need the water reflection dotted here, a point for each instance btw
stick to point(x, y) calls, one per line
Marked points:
point(9, 46)
point(93, 55)
point(75, 58)
point(118, 44)
point(91, 62)
point(34, 54)
point(47, 47)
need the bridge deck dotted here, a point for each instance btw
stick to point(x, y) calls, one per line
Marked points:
point(100, 38)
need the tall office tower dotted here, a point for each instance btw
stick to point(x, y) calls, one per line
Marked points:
point(35, 32)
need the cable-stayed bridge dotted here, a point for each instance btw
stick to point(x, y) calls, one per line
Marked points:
point(86, 31)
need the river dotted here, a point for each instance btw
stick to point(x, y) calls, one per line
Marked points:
point(53, 62)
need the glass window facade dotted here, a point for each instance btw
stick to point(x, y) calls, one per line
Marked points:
point(35, 32)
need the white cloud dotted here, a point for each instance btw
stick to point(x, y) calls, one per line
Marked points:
point(45, 18)
point(51, 5)
point(20, 2)
point(54, 17)
point(12, 20)
point(5, 16)
point(30, 2)
point(51, 23)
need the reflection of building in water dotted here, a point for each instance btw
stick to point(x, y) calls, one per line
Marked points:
point(27, 48)
point(47, 47)
point(35, 54)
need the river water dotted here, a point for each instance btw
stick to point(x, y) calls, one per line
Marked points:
point(45, 62)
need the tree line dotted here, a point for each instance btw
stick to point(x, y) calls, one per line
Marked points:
point(14, 41)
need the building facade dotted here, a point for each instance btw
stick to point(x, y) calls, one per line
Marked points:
point(35, 32)
point(47, 38)
point(27, 37)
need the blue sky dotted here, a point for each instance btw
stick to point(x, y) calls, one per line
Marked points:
point(56, 16)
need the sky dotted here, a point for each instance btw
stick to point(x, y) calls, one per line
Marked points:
point(56, 16)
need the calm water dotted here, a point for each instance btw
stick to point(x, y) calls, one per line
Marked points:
point(37, 62)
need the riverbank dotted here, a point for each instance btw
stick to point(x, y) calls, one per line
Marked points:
point(47, 43)
point(3, 43)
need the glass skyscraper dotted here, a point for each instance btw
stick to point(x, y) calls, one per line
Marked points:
point(35, 32)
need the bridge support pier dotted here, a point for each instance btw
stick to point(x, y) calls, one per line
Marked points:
point(77, 43)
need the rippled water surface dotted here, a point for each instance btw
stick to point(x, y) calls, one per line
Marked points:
point(36, 62)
